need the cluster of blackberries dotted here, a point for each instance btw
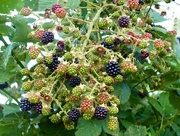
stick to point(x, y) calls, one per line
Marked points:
point(113, 68)
point(53, 66)
point(37, 108)
point(74, 114)
point(47, 37)
point(75, 81)
point(25, 105)
point(3, 85)
point(100, 112)
point(124, 21)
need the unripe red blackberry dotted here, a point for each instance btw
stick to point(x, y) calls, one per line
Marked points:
point(128, 66)
point(61, 69)
point(56, 6)
point(113, 123)
point(74, 114)
point(60, 12)
point(112, 68)
point(75, 81)
point(38, 34)
point(124, 21)
point(33, 52)
point(100, 113)
point(133, 4)
point(25, 105)
point(37, 108)
point(147, 35)
point(158, 44)
point(26, 86)
point(86, 105)
point(25, 11)
point(47, 37)
point(103, 98)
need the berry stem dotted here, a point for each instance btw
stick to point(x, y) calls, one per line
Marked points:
point(149, 9)
point(12, 96)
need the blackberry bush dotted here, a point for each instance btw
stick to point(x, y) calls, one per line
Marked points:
point(88, 67)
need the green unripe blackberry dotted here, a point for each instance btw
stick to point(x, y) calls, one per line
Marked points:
point(76, 33)
point(103, 23)
point(111, 89)
point(77, 91)
point(108, 80)
point(83, 70)
point(88, 116)
point(25, 71)
point(113, 110)
point(46, 111)
point(109, 40)
point(55, 118)
point(40, 60)
point(66, 30)
point(26, 86)
point(100, 78)
point(113, 123)
point(118, 78)
point(69, 125)
point(72, 70)
point(68, 56)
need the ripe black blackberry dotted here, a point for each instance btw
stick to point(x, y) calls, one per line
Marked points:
point(3, 85)
point(116, 41)
point(113, 68)
point(53, 66)
point(37, 108)
point(47, 37)
point(75, 81)
point(107, 45)
point(124, 21)
point(100, 112)
point(74, 114)
point(25, 105)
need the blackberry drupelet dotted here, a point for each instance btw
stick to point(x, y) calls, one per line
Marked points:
point(113, 68)
point(124, 21)
point(100, 112)
point(75, 81)
point(53, 66)
point(3, 85)
point(25, 105)
point(74, 114)
point(47, 37)
point(37, 108)
point(107, 46)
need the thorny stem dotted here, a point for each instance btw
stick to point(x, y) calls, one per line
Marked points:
point(149, 9)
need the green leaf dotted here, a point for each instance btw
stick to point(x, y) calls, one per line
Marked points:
point(22, 28)
point(156, 17)
point(176, 48)
point(174, 99)
point(88, 127)
point(32, 4)
point(10, 108)
point(136, 130)
point(156, 105)
point(123, 91)
point(176, 128)
point(5, 29)
point(48, 25)
point(71, 3)
point(44, 4)
point(7, 53)
point(7, 5)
